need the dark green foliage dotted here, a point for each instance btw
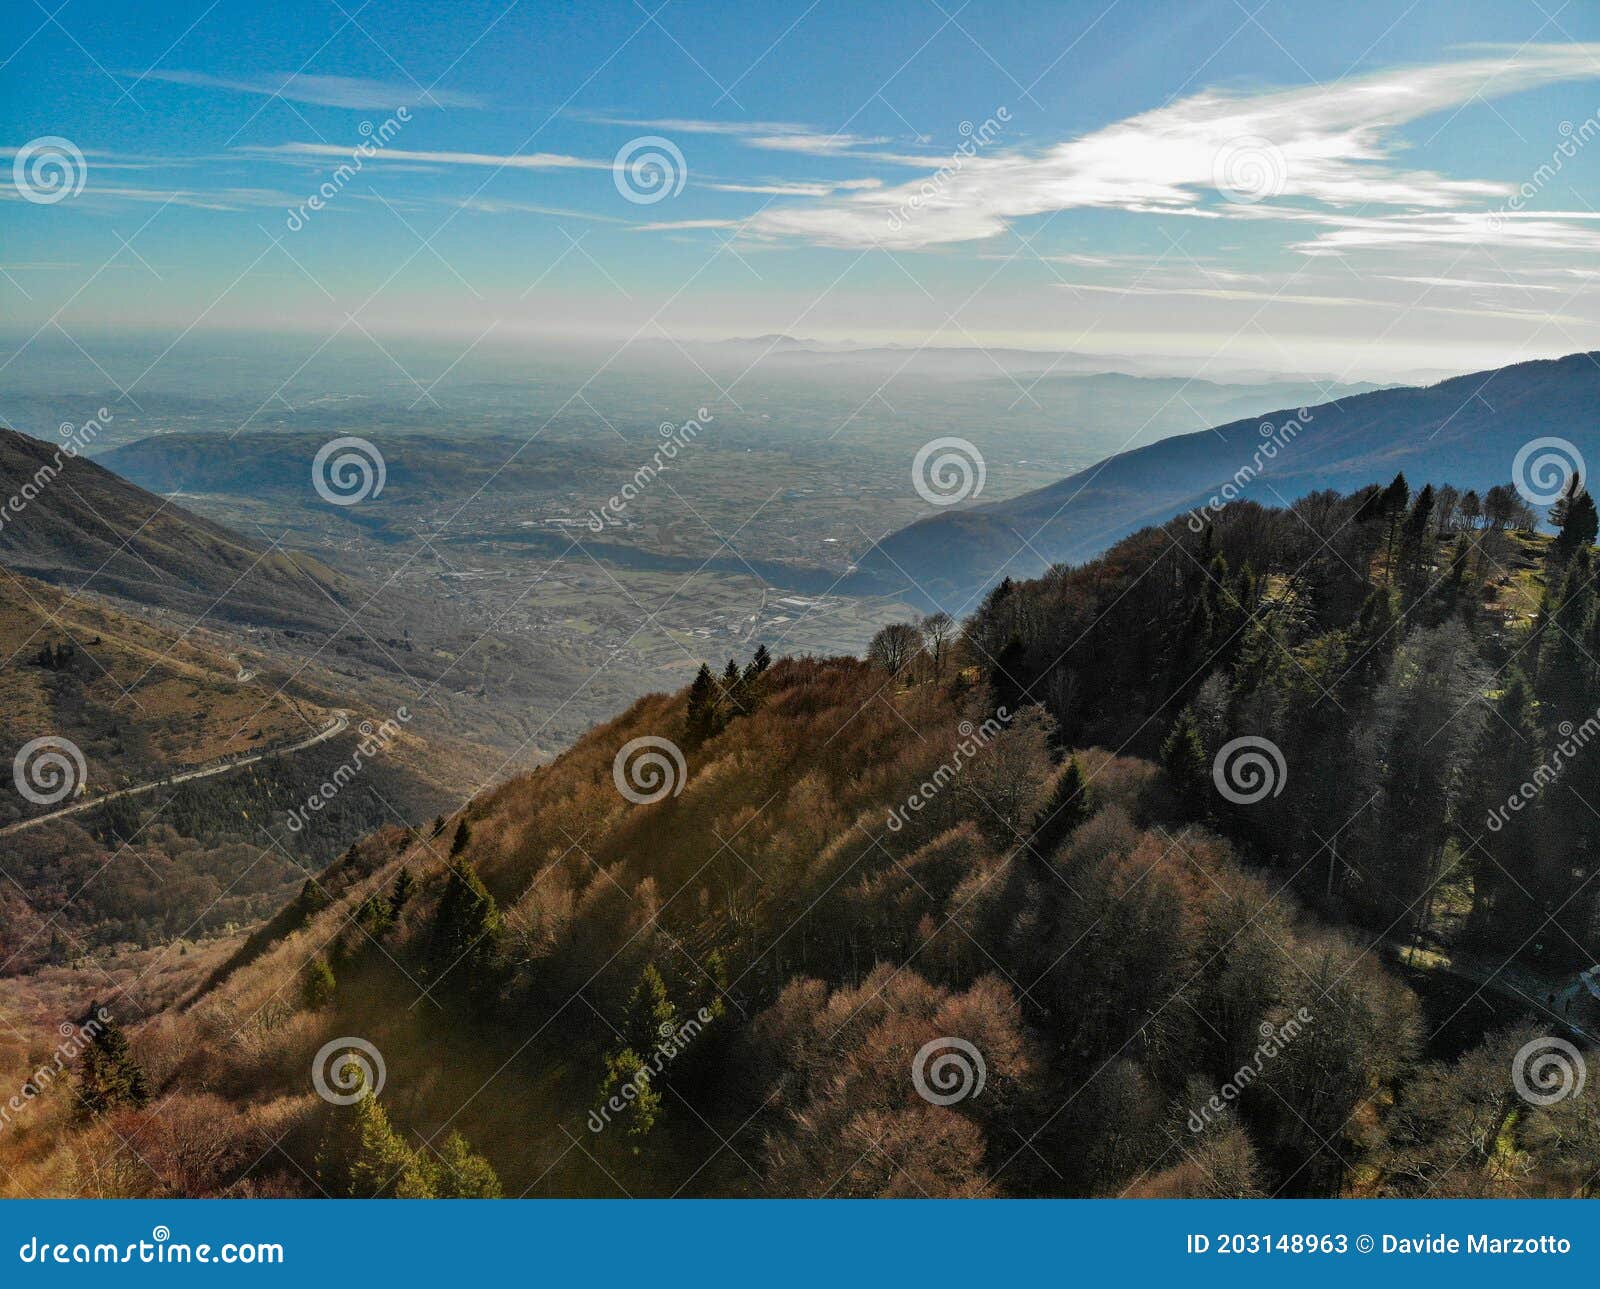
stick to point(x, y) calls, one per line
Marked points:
point(700, 722)
point(1576, 520)
point(461, 1173)
point(317, 984)
point(1069, 805)
point(109, 1076)
point(651, 1015)
point(1183, 756)
point(643, 1108)
point(1565, 669)
point(361, 1156)
point(465, 945)
point(400, 892)
point(374, 917)
point(58, 657)
point(732, 690)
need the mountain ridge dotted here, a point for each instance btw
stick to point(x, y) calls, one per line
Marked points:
point(1478, 421)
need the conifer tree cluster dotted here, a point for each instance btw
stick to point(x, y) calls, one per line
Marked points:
point(362, 1156)
point(713, 702)
point(1388, 646)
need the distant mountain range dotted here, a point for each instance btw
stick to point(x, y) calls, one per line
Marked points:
point(1466, 431)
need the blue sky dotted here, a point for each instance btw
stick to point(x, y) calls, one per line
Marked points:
point(1363, 189)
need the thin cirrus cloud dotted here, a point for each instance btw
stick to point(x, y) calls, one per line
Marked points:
point(324, 91)
point(390, 156)
point(771, 136)
point(799, 188)
point(1330, 144)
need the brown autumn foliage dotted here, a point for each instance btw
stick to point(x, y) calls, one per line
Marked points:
point(1106, 985)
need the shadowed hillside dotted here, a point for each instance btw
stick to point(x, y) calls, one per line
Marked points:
point(1466, 431)
point(88, 527)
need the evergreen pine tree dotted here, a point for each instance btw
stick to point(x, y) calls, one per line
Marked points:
point(1564, 667)
point(1578, 524)
point(361, 1156)
point(651, 1014)
point(640, 1112)
point(1415, 554)
point(1008, 678)
point(700, 722)
point(1372, 642)
point(109, 1075)
point(317, 984)
point(733, 688)
point(1184, 758)
point(400, 892)
point(1069, 806)
point(462, 1173)
point(1557, 514)
point(467, 934)
point(1391, 506)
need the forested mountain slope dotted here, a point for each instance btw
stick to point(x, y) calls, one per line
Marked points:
point(996, 912)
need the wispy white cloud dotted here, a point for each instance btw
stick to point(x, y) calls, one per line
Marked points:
point(820, 188)
point(1331, 144)
point(216, 199)
point(324, 91)
point(773, 136)
point(1452, 231)
point(1474, 284)
point(494, 206)
point(677, 225)
point(389, 156)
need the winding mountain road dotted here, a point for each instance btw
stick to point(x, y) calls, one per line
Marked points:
point(341, 722)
